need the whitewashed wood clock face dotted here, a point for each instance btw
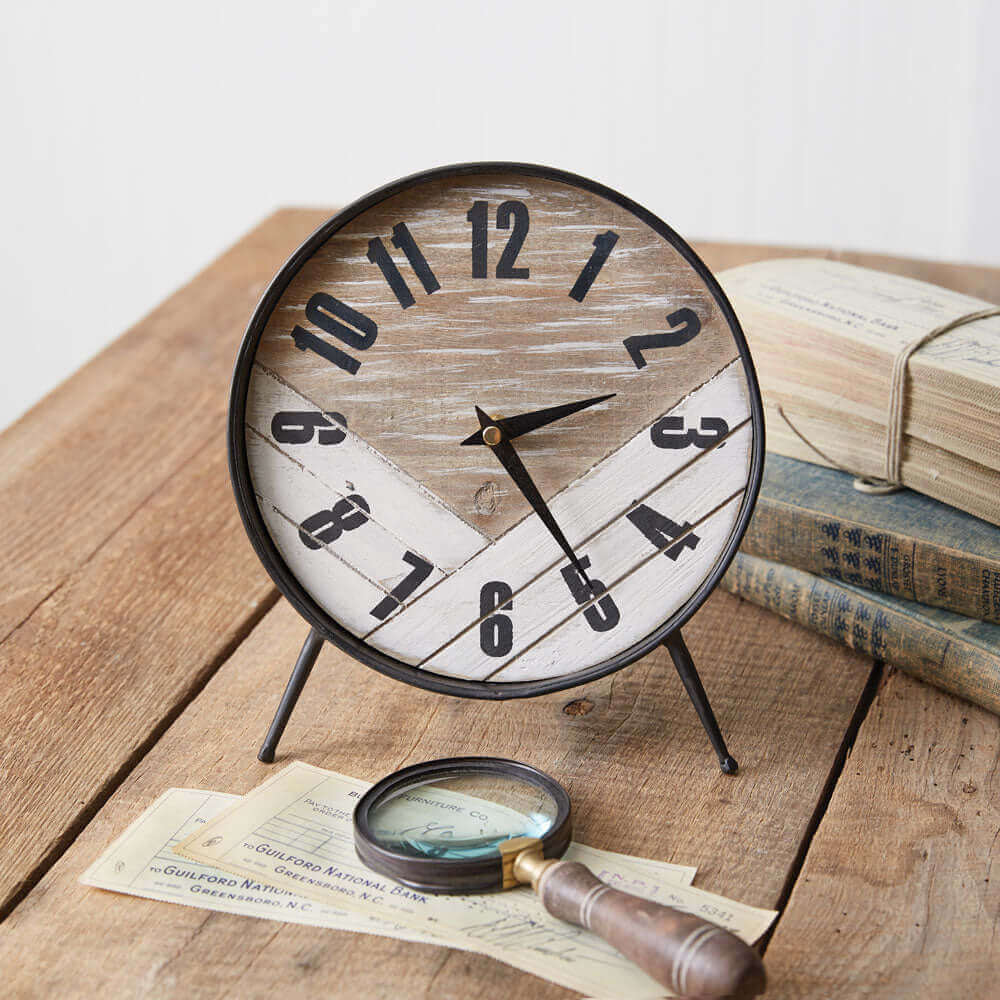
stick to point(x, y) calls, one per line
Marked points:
point(453, 307)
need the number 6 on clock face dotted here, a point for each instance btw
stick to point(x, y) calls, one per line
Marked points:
point(494, 430)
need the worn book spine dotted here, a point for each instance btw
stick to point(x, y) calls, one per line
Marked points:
point(887, 561)
point(953, 653)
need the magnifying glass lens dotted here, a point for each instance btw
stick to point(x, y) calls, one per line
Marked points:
point(460, 816)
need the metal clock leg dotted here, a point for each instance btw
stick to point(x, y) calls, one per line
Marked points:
point(300, 674)
point(692, 684)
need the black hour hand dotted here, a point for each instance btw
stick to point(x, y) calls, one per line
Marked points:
point(515, 426)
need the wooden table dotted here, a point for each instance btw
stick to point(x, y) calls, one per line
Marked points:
point(143, 647)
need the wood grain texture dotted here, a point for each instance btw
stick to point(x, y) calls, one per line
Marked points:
point(104, 661)
point(97, 673)
point(343, 528)
point(350, 466)
point(639, 752)
point(142, 579)
point(703, 500)
point(102, 443)
point(898, 898)
point(655, 583)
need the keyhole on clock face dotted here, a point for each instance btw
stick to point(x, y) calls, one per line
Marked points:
point(486, 499)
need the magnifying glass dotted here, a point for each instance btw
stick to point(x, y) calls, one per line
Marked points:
point(484, 824)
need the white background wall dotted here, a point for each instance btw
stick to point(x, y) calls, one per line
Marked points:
point(140, 139)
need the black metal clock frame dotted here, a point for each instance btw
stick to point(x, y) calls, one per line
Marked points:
point(325, 628)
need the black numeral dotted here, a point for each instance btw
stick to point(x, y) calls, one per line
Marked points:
point(299, 426)
point(403, 240)
point(690, 327)
point(478, 215)
point(326, 526)
point(326, 312)
point(496, 633)
point(306, 341)
point(604, 614)
point(421, 570)
point(519, 212)
point(378, 254)
point(661, 531)
point(669, 432)
point(603, 245)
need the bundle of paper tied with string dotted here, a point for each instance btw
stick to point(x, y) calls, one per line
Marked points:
point(892, 379)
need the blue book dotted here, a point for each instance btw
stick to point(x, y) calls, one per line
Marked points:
point(902, 544)
point(953, 652)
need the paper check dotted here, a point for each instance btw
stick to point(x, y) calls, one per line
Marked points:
point(141, 862)
point(295, 831)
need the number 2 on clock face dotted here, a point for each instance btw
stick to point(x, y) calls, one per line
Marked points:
point(505, 294)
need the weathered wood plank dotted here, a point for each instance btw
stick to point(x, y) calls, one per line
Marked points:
point(346, 464)
point(330, 523)
point(81, 462)
point(128, 576)
point(896, 899)
point(105, 660)
point(616, 552)
point(655, 582)
point(630, 750)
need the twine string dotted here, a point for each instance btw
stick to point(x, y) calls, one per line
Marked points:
point(892, 478)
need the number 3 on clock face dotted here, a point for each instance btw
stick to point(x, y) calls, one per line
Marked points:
point(505, 290)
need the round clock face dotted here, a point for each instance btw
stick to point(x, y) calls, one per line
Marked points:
point(495, 430)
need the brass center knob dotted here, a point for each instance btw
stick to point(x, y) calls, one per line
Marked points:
point(492, 435)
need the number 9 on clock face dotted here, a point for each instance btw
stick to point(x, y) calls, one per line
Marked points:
point(494, 430)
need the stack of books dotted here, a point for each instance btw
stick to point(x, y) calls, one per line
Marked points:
point(901, 576)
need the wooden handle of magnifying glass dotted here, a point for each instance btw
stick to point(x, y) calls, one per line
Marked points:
point(688, 955)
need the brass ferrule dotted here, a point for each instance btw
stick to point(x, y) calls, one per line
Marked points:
point(530, 866)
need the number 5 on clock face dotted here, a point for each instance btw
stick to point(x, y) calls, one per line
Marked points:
point(505, 291)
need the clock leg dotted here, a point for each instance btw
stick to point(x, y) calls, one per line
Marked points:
point(300, 674)
point(696, 692)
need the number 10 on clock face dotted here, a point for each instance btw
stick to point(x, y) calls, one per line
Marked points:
point(495, 425)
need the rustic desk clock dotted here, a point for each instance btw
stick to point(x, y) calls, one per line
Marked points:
point(495, 431)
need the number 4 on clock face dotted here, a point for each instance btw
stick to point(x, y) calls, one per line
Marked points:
point(508, 598)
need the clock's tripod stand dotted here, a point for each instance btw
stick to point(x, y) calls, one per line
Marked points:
point(674, 643)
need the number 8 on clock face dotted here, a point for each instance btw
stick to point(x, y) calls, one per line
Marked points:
point(494, 430)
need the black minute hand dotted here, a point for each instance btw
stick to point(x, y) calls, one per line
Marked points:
point(515, 426)
point(511, 461)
